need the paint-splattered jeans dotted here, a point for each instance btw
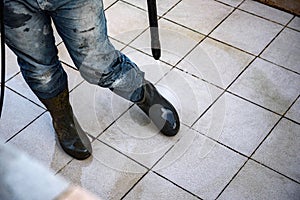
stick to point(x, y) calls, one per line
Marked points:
point(82, 26)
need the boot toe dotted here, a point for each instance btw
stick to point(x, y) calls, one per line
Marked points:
point(166, 119)
point(76, 150)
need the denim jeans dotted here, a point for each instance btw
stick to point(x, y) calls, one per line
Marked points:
point(82, 26)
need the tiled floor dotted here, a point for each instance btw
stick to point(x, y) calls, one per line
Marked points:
point(230, 67)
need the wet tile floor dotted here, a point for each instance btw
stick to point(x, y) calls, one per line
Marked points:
point(232, 70)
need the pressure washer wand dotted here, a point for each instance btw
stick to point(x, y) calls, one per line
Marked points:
point(155, 44)
point(2, 55)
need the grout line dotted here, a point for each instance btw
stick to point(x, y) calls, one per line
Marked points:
point(110, 5)
point(232, 178)
point(134, 185)
point(58, 171)
point(171, 8)
point(206, 110)
point(135, 6)
point(261, 17)
point(252, 102)
point(24, 97)
point(281, 66)
point(25, 126)
point(250, 156)
point(150, 169)
point(274, 170)
point(176, 184)
point(13, 76)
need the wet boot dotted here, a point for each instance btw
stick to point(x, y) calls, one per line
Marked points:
point(70, 135)
point(159, 110)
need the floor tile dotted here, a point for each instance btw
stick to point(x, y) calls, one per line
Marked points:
point(233, 3)
point(189, 95)
point(187, 13)
point(162, 6)
point(205, 166)
point(39, 141)
point(215, 62)
point(266, 11)
point(154, 70)
point(242, 127)
point(135, 136)
point(154, 187)
point(19, 85)
point(257, 182)
point(240, 30)
point(96, 108)
point(118, 45)
point(16, 114)
point(284, 50)
point(56, 35)
point(295, 23)
point(294, 113)
point(127, 24)
point(175, 40)
point(107, 174)
point(268, 85)
point(280, 150)
point(11, 64)
point(64, 56)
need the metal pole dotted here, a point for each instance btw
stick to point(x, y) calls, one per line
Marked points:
point(2, 55)
point(155, 44)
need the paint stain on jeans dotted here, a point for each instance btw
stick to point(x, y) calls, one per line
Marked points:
point(13, 19)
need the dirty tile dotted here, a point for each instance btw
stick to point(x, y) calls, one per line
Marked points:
point(240, 30)
point(39, 141)
point(284, 50)
point(108, 174)
point(154, 70)
point(268, 85)
point(16, 114)
point(11, 64)
point(215, 62)
point(162, 6)
point(137, 137)
point(257, 182)
point(294, 112)
point(205, 166)
point(125, 22)
point(189, 95)
point(175, 40)
point(266, 11)
point(96, 108)
point(19, 85)
point(241, 129)
point(280, 150)
point(233, 3)
point(295, 23)
point(153, 186)
point(187, 13)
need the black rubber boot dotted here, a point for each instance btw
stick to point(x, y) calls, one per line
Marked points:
point(70, 135)
point(159, 110)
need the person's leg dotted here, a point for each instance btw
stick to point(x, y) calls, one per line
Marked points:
point(82, 26)
point(30, 36)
